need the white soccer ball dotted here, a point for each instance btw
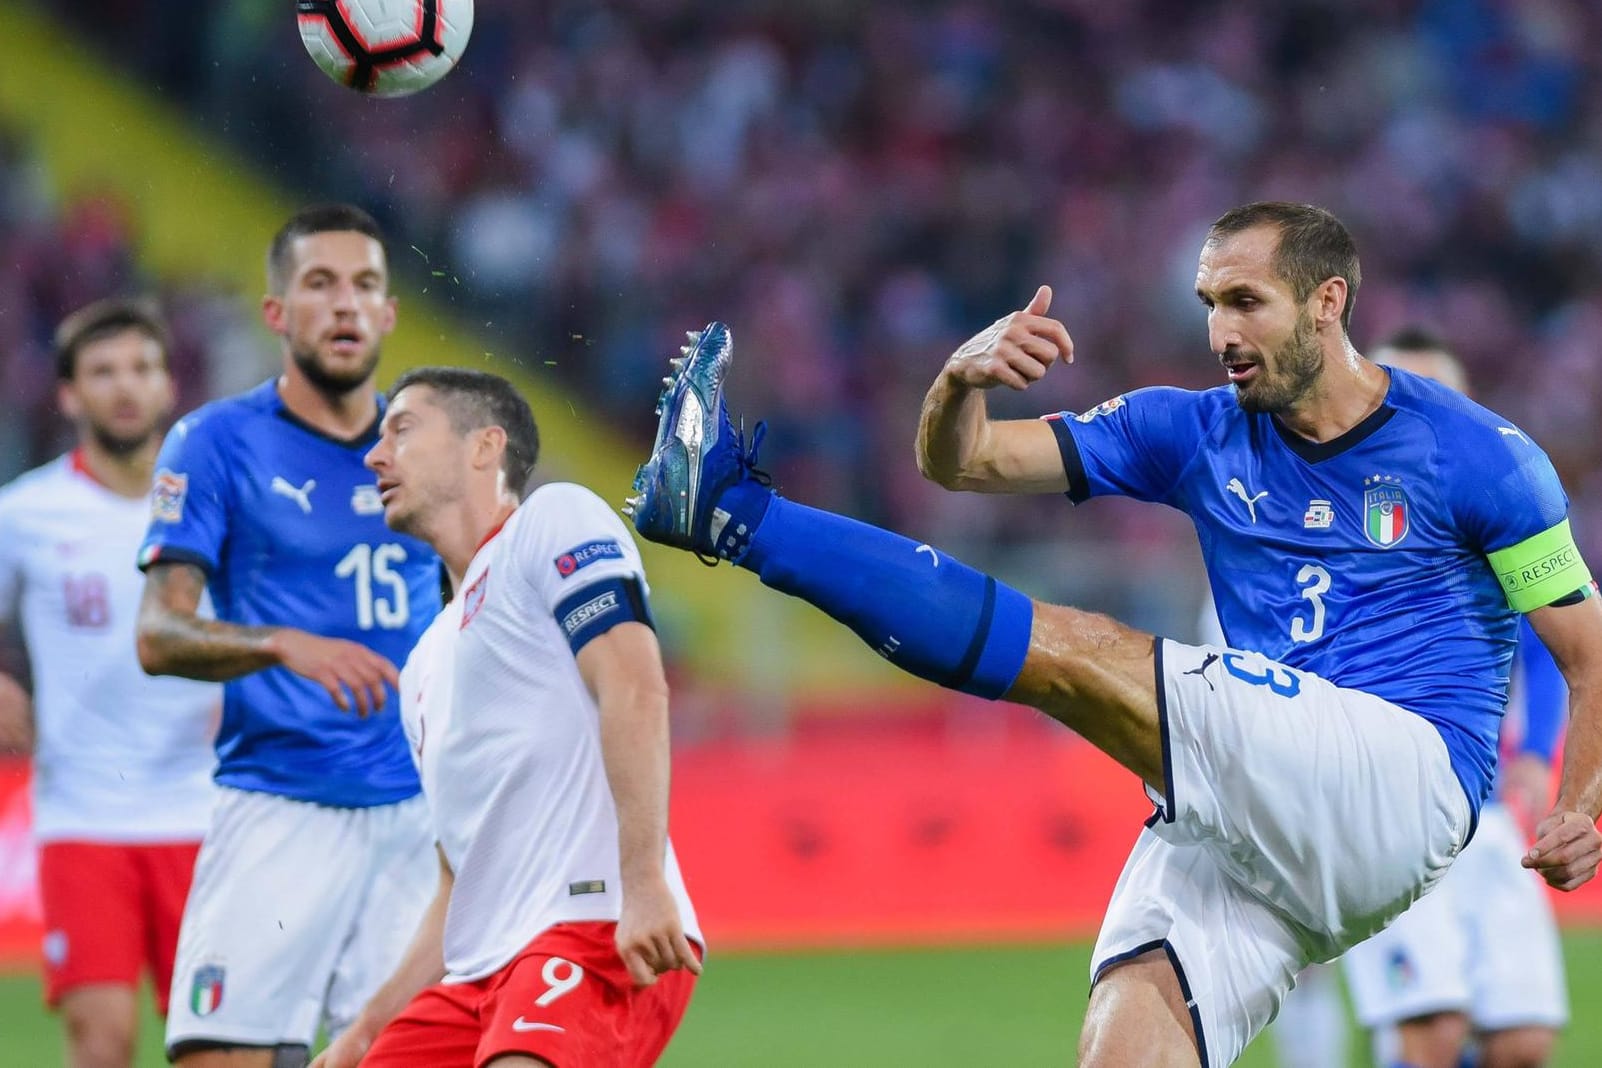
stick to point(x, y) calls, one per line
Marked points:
point(385, 47)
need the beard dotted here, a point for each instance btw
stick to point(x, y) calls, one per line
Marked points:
point(332, 383)
point(121, 444)
point(1289, 377)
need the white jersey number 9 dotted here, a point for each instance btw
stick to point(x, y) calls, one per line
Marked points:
point(1314, 581)
point(372, 568)
point(560, 976)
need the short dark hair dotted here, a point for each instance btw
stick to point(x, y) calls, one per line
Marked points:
point(1314, 246)
point(477, 399)
point(102, 319)
point(1416, 339)
point(313, 219)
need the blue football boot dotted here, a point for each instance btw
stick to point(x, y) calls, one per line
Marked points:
point(698, 455)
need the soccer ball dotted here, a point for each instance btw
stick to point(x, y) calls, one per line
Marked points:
point(385, 47)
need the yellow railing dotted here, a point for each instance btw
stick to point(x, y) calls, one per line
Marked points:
point(202, 212)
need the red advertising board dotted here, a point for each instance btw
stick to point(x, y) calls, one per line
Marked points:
point(19, 896)
point(926, 828)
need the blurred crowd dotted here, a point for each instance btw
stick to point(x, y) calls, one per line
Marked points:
point(856, 188)
point(61, 251)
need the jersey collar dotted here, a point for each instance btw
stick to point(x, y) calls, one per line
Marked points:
point(1318, 451)
point(363, 440)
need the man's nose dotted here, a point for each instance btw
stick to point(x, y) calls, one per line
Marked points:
point(1222, 334)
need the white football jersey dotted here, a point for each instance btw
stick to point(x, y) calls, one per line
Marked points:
point(121, 756)
point(507, 737)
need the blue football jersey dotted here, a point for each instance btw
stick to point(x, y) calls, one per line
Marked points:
point(1362, 559)
point(288, 526)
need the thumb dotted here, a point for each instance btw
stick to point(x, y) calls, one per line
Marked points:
point(1040, 303)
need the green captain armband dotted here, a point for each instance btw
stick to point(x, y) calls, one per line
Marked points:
point(1540, 570)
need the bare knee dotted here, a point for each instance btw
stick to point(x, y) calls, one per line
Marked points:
point(1517, 1047)
point(96, 1043)
point(101, 1025)
point(1098, 678)
point(1435, 1040)
point(1138, 1015)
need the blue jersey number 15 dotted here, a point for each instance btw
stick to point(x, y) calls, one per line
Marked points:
point(380, 589)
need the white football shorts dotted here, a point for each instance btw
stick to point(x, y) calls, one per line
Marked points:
point(1484, 942)
point(297, 913)
point(1297, 819)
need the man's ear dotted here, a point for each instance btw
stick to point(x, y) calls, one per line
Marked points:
point(489, 447)
point(67, 401)
point(1329, 301)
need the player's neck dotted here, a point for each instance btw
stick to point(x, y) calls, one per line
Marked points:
point(125, 474)
point(343, 416)
point(1350, 391)
point(461, 535)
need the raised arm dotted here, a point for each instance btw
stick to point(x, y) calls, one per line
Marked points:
point(959, 446)
point(1568, 847)
point(173, 639)
point(623, 670)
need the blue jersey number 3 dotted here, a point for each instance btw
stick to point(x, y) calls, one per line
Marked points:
point(1276, 678)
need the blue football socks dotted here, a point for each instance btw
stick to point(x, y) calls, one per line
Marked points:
point(922, 610)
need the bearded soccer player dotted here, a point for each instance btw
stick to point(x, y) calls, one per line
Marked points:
point(121, 762)
point(1375, 534)
point(537, 709)
point(317, 862)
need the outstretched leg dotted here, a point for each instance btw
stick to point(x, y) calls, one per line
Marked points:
point(924, 611)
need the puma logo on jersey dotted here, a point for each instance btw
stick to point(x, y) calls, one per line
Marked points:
point(1212, 658)
point(1234, 486)
point(301, 495)
point(1510, 432)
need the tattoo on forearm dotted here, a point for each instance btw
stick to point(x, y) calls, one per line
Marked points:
point(175, 641)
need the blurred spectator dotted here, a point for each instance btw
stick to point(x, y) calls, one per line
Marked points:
point(857, 187)
point(61, 255)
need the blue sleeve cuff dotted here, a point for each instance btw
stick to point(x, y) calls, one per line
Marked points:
point(152, 555)
point(1072, 463)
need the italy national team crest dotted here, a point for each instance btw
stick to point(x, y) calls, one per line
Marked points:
point(206, 991)
point(1400, 973)
point(1387, 513)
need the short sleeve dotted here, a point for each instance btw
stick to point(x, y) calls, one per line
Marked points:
point(1512, 508)
point(191, 495)
point(1509, 491)
point(1135, 445)
point(578, 555)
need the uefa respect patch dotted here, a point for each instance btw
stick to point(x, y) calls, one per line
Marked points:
point(582, 556)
